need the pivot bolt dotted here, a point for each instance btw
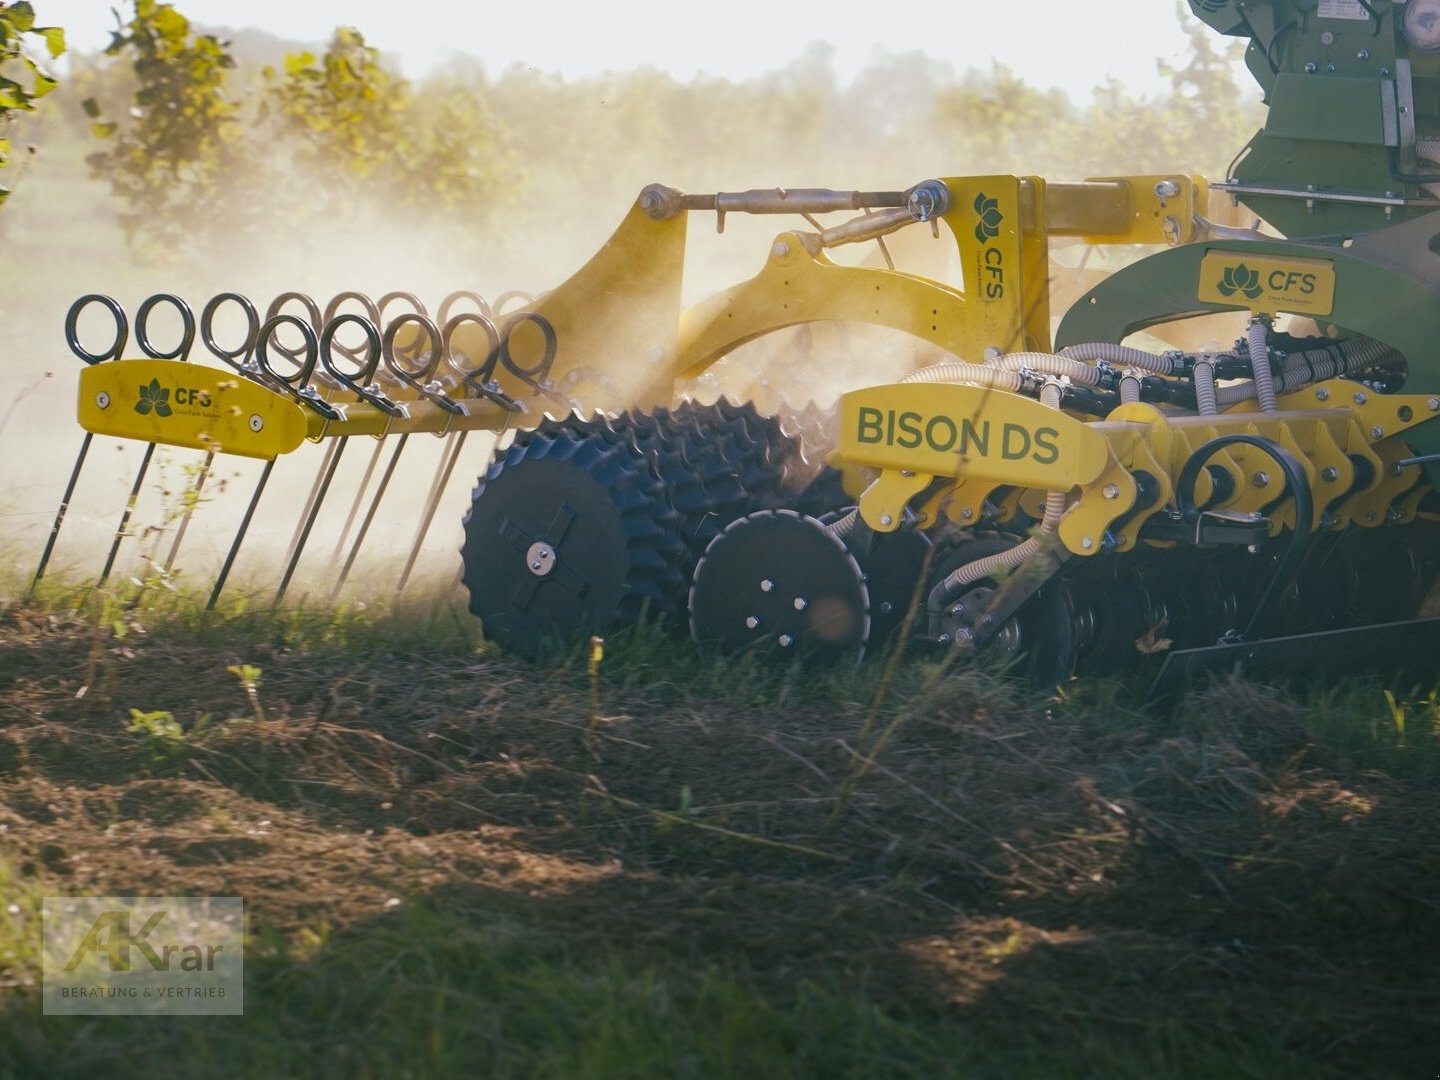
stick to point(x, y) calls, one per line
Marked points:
point(967, 513)
point(540, 558)
point(781, 249)
point(1377, 432)
point(1330, 473)
point(886, 519)
point(786, 641)
point(1167, 189)
point(766, 585)
point(1087, 543)
point(1111, 491)
point(1261, 479)
point(752, 622)
point(1361, 397)
point(257, 423)
point(1322, 393)
point(801, 603)
point(1433, 404)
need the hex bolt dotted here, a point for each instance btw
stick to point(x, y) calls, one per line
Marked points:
point(1328, 521)
point(958, 610)
point(766, 585)
point(102, 399)
point(886, 607)
point(907, 473)
point(801, 603)
point(944, 639)
point(786, 641)
point(752, 623)
point(1167, 189)
point(781, 249)
point(1111, 491)
point(1261, 479)
point(257, 423)
point(886, 519)
point(1433, 404)
point(1369, 515)
point(1087, 543)
point(1377, 432)
point(1330, 473)
point(1322, 393)
point(1361, 397)
point(967, 513)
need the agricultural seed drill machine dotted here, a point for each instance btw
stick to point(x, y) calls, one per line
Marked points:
point(1055, 495)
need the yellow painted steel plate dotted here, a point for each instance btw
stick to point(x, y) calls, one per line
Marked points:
point(1268, 285)
point(179, 404)
point(947, 430)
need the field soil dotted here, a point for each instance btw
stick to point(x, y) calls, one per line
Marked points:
point(1007, 883)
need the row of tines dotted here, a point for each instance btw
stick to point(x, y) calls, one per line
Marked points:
point(369, 347)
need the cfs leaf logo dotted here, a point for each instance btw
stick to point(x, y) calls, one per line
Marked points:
point(988, 226)
point(1240, 278)
point(154, 396)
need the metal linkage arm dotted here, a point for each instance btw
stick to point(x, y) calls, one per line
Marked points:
point(923, 201)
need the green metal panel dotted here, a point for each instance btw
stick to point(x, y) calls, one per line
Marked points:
point(1330, 109)
point(1386, 287)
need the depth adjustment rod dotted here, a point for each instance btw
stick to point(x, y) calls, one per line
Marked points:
point(923, 202)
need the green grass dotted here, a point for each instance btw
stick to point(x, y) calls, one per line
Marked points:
point(677, 866)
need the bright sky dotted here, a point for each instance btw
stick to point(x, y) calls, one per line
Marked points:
point(1066, 43)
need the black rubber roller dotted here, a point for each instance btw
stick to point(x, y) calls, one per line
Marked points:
point(568, 535)
point(778, 581)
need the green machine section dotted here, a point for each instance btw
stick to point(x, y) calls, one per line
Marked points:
point(1351, 142)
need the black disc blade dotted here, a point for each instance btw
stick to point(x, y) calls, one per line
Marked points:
point(778, 580)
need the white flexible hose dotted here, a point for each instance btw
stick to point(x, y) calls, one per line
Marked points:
point(1205, 396)
point(845, 526)
point(1048, 364)
point(1012, 558)
point(1257, 339)
point(975, 374)
point(1130, 384)
point(1121, 354)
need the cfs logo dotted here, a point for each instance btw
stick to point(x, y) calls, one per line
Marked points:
point(1241, 278)
point(1268, 284)
point(156, 398)
point(989, 218)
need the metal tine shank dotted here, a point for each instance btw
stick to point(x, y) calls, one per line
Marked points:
point(116, 350)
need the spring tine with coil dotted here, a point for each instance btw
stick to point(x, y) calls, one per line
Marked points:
point(236, 358)
point(379, 314)
point(180, 352)
point(116, 350)
point(432, 502)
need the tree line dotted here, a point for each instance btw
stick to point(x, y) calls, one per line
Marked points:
point(200, 138)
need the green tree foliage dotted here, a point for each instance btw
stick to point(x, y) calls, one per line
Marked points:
point(365, 133)
point(170, 160)
point(23, 78)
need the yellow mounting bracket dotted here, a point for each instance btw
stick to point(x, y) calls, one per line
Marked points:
point(180, 404)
